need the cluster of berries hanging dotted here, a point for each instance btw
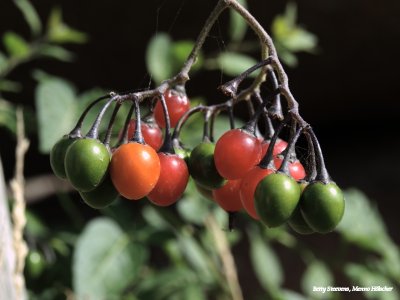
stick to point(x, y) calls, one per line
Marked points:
point(241, 171)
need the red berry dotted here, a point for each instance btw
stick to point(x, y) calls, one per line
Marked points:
point(228, 196)
point(152, 134)
point(236, 153)
point(177, 105)
point(172, 182)
point(280, 145)
point(296, 169)
point(248, 187)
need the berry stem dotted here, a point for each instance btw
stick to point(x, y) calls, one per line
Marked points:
point(275, 111)
point(311, 165)
point(124, 136)
point(167, 145)
point(206, 131)
point(137, 135)
point(94, 130)
point(107, 138)
point(269, 128)
point(77, 131)
point(290, 149)
point(231, 117)
point(322, 173)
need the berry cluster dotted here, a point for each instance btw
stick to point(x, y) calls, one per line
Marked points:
point(241, 171)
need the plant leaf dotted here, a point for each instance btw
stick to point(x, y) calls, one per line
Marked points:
point(8, 118)
point(232, 63)
point(55, 105)
point(105, 261)
point(265, 262)
point(59, 32)
point(15, 44)
point(31, 16)
point(316, 274)
point(56, 52)
point(3, 62)
point(10, 86)
point(158, 57)
point(237, 25)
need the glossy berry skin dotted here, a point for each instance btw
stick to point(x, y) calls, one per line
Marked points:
point(57, 156)
point(296, 169)
point(152, 134)
point(296, 221)
point(172, 182)
point(280, 145)
point(177, 105)
point(86, 164)
point(248, 187)
point(228, 196)
point(236, 153)
point(202, 167)
point(135, 169)
point(276, 198)
point(101, 196)
point(322, 206)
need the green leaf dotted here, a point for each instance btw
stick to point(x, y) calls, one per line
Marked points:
point(180, 51)
point(291, 295)
point(31, 16)
point(59, 32)
point(237, 25)
point(16, 45)
point(34, 226)
point(8, 117)
point(55, 105)
point(3, 62)
point(56, 52)
point(232, 63)
point(369, 231)
point(361, 276)
point(265, 262)
point(105, 261)
point(10, 86)
point(158, 57)
point(317, 274)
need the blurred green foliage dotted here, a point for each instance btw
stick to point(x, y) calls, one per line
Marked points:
point(139, 251)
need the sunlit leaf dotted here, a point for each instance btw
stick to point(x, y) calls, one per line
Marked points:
point(232, 63)
point(158, 57)
point(30, 14)
point(59, 32)
point(180, 51)
point(237, 25)
point(55, 105)
point(16, 45)
point(265, 262)
point(316, 274)
point(105, 261)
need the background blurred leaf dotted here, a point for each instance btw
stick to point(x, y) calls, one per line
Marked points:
point(56, 105)
point(158, 57)
point(10, 86)
point(16, 45)
point(232, 63)
point(265, 262)
point(56, 52)
point(316, 274)
point(237, 26)
point(3, 62)
point(7, 115)
point(59, 32)
point(30, 15)
point(105, 261)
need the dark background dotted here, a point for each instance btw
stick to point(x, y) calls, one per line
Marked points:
point(348, 92)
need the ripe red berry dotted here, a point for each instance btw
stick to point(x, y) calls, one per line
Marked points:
point(280, 145)
point(296, 169)
point(134, 170)
point(177, 105)
point(228, 196)
point(152, 134)
point(236, 153)
point(248, 187)
point(172, 182)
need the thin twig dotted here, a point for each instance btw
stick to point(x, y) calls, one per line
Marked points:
point(18, 212)
point(226, 256)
